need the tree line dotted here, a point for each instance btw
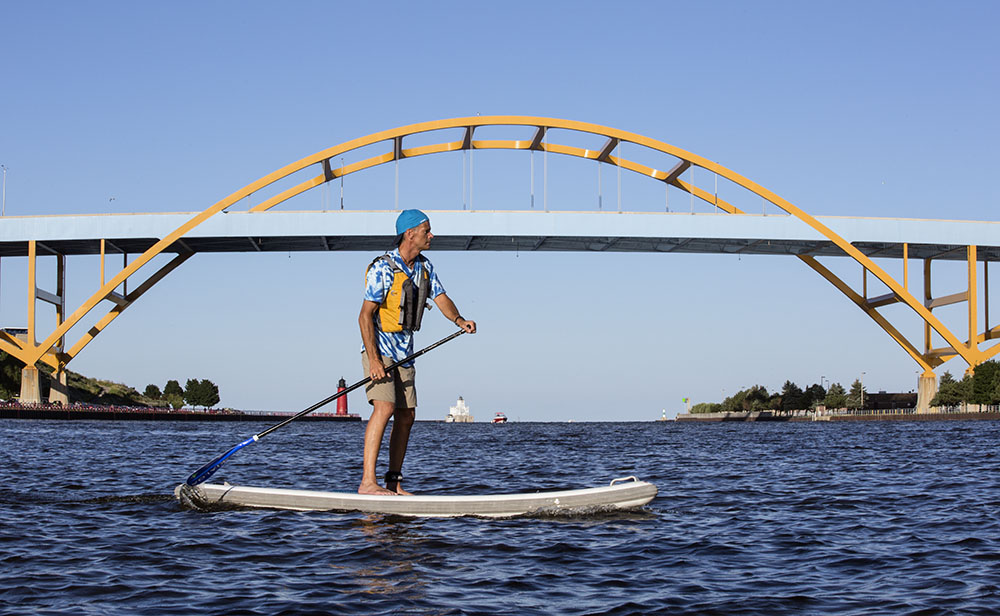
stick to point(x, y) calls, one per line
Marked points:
point(790, 398)
point(983, 387)
point(203, 393)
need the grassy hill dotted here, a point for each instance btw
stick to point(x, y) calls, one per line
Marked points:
point(82, 388)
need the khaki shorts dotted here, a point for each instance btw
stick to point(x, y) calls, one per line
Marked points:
point(398, 386)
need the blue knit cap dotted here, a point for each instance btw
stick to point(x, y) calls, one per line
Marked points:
point(409, 219)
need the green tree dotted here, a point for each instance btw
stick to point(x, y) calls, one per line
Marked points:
point(706, 407)
point(734, 403)
point(792, 397)
point(964, 388)
point(984, 383)
point(856, 398)
point(173, 388)
point(192, 392)
point(752, 399)
point(10, 376)
point(836, 397)
point(757, 398)
point(203, 393)
point(152, 392)
point(774, 402)
point(952, 392)
point(814, 395)
point(210, 393)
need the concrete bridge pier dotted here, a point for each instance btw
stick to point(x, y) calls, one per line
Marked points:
point(31, 392)
point(59, 392)
point(926, 390)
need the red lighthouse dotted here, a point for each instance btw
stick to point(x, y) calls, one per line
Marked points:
point(342, 401)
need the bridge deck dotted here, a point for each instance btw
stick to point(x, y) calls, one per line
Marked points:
point(504, 231)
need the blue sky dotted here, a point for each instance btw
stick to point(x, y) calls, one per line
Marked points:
point(843, 108)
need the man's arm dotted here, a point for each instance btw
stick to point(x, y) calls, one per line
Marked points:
point(450, 312)
point(366, 320)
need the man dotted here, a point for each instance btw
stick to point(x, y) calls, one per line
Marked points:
point(397, 286)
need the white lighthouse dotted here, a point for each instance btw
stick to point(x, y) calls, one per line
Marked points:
point(460, 413)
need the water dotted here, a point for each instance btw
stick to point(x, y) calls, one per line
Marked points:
point(830, 518)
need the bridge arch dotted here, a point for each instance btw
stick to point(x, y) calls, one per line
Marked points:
point(536, 138)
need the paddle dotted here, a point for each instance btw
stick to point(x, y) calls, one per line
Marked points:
point(203, 473)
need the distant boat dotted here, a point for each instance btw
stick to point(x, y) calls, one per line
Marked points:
point(499, 418)
point(460, 413)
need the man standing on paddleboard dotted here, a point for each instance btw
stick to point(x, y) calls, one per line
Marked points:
point(397, 286)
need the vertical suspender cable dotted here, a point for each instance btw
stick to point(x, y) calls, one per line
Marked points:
point(532, 179)
point(465, 155)
point(600, 196)
point(341, 182)
point(470, 173)
point(397, 184)
point(716, 190)
point(545, 171)
point(619, 176)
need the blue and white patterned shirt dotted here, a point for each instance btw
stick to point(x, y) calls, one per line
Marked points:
point(396, 345)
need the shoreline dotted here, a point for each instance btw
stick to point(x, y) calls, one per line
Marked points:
point(139, 414)
point(898, 415)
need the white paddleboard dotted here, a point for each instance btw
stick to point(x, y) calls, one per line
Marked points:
point(622, 494)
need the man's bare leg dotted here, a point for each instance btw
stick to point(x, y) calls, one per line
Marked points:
point(374, 431)
point(399, 438)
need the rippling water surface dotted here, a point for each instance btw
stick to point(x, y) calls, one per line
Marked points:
point(824, 518)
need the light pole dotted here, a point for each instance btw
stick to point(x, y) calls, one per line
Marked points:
point(862, 390)
point(3, 204)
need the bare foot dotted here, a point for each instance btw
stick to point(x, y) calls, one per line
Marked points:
point(398, 487)
point(374, 488)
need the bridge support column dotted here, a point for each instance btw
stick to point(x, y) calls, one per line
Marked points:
point(59, 392)
point(31, 393)
point(926, 390)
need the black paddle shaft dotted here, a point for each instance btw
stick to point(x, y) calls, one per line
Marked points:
point(360, 383)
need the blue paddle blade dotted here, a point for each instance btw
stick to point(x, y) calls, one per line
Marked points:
point(202, 474)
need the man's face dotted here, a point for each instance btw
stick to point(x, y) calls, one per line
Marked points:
point(421, 235)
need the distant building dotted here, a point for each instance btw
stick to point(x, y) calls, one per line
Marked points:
point(460, 413)
point(883, 401)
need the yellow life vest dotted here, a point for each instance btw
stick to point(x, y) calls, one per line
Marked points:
point(404, 304)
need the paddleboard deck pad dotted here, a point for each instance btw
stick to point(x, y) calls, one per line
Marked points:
point(623, 494)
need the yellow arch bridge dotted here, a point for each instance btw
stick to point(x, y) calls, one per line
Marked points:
point(151, 246)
